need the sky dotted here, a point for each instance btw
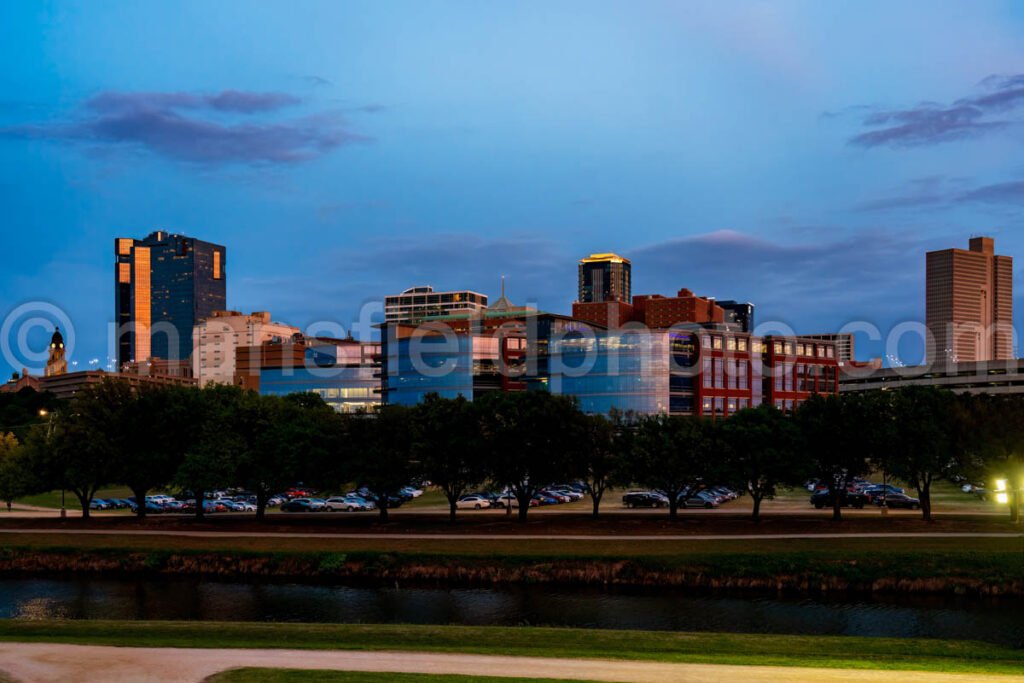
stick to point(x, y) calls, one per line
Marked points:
point(799, 155)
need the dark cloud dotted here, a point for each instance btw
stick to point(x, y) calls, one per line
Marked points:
point(932, 123)
point(820, 284)
point(192, 127)
point(1001, 193)
point(236, 101)
point(927, 192)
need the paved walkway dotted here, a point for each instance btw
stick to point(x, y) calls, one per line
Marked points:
point(45, 662)
point(427, 536)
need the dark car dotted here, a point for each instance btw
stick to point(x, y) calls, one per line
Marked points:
point(297, 506)
point(898, 500)
point(823, 499)
point(644, 499)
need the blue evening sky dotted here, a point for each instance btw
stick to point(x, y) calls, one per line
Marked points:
point(800, 155)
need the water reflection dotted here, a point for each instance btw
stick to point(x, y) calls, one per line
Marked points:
point(182, 599)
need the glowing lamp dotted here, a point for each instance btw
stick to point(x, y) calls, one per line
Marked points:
point(1002, 498)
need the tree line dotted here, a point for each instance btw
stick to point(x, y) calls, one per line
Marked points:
point(219, 437)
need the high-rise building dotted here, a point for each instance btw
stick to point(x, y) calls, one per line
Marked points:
point(969, 307)
point(604, 277)
point(164, 284)
point(216, 339)
point(738, 313)
point(417, 303)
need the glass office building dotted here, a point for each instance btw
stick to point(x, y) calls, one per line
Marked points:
point(628, 371)
point(466, 365)
point(163, 285)
point(343, 375)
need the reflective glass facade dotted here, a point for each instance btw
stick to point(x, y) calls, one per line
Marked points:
point(415, 367)
point(346, 388)
point(164, 284)
point(628, 371)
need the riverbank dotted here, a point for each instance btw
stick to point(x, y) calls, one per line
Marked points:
point(996, 571)
point(846, 652)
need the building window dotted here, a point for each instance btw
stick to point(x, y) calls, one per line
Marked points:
point(719, 381)
point(742, 404)
point(830, 352)
point(741, 344)
point(716, 343)
point(801, 350)
point(706, 406)
point(741, 371)
point(790, 349)
point(217, 274)
point(719, 405)
point(705, 341)
point(730, 344)
point(777, 348)
point(731, 370)
point(732, 405)
point(706, 371)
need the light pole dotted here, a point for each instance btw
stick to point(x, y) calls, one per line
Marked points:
point(49, 432)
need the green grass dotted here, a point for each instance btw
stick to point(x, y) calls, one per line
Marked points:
point(305, 676)
point(553, 548)
point(714, 648)
point(51, 499)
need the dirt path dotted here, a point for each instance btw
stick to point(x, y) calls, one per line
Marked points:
point(44, 662)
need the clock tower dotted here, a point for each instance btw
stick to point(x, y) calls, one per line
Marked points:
point(56, 364)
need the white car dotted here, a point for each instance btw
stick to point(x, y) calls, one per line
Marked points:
point(346, 504)
point(473, 503)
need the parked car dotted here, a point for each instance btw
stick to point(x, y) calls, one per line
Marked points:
point(347, 504)
point(99, 504)
point(823, 499)
point(898, 500)
point(297, 505)
point(555, 496)
point(644, 499)
point(880, 489)
point(473, 502)
point(698, 501)
point(411, 491)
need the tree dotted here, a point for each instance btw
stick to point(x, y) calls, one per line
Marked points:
point(672, 455)
point(833, 434)
point(996, 446)
point(383, 447)
point(280, 440)
point(13, 477)
point(532, 439)
point(606, 445)
point(923, 443)
point(157, 423)
point(449, 446)
point(762, 452)
point(212, 452)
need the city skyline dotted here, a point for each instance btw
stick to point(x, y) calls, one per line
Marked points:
point(381, 157)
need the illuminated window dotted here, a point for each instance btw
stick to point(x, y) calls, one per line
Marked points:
point(716, 343)
point(124, 247)
point(741, 344)
point(124, 272)
point(216, 265)
point(730, 344)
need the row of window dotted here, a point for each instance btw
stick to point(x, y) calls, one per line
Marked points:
point(719, 343)
point(726, 373)
point(718, 405)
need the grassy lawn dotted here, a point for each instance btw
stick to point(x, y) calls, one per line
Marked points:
point(714, 648)
point(837, 548)
point(300, 676)
point(51, 499)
